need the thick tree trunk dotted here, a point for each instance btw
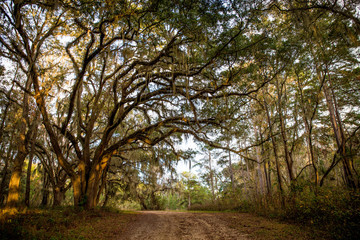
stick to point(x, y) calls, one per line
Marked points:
point(93, 188)
point(59, 195)
point(45, 190)
point(93, 183)
point(103, 185)
point(78, 195)
point(22, 141)
point(14, 185)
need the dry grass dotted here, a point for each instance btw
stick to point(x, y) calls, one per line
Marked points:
point(64, 223)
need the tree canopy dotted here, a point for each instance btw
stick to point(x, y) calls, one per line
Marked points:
point(99, 95)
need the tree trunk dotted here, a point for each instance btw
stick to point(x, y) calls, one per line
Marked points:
point(45, 190)
point(308, 128)
point(348, 168)
point(59, 195)
point(4, 175)
point(311, 152)
point(288, 157)
point(258, 159)
point(189, 201)
point(14, 185)
point(106, 195)
point(28, 174)
point(231, 170)
point(93, 186)
point(248, 175)
point(267, 166)
point(274, 145)
point(23, 137)
point(78, 195)
point(28, 179)
point(6, 171)
point(103, 184)
point(211, 177)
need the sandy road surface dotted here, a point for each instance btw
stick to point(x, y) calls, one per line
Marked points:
point(182, 225)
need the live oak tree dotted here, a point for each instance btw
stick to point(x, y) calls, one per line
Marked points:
point(23, 120)
point(118, 73)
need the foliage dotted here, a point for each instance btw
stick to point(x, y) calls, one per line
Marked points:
point(101, 94)
point(333, 210)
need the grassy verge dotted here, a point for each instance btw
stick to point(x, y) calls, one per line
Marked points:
point(332, 211)
point(64, 223)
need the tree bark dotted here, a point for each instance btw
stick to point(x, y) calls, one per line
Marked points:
point(288, 157)
point(77, 190)
point(28, 179)
point(231, 170)
point(28, 174)
point(5, 173)
point(308, 128)
point(106, 195)
point(103, 184)
point(14, 184)
point(335, 119)
point(45, 191)
point(93, 186)
point(258, 159)
point(59, 195)
point(274, 145)
point(211, 176)
point(267, 167)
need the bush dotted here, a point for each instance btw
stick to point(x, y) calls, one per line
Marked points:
point(225, 204)
point(335, 211)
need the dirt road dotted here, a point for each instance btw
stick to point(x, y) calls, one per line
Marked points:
point(181, 225)
point(152, 225)
point(186, 225)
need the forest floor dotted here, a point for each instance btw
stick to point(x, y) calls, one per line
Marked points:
point(100, 224)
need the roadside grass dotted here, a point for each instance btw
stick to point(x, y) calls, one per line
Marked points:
point(259, 228)
point(64, 223)
point(333, 213)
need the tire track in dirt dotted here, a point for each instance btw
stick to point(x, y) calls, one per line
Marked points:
point(161, 225)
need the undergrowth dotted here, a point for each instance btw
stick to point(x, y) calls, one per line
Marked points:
point(332, 210)
point(60, 223)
